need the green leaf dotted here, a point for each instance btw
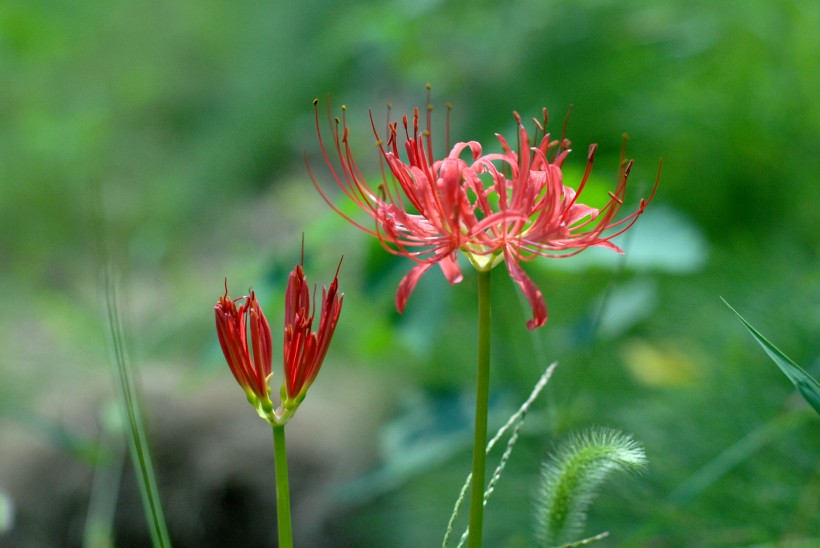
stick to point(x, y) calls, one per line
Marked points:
point(805, 383)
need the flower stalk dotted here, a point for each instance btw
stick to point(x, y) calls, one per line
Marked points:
point(481, 407)
point(285, 529)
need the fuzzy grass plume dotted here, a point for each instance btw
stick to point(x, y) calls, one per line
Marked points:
point(571, 476)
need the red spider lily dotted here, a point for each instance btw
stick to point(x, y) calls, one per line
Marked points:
point(506, 206)
point(251, 371)
point(305, 349)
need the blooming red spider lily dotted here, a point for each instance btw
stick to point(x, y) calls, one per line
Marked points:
point(500, 207)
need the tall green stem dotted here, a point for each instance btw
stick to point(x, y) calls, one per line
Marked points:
point(282, 488)
point(481, 405)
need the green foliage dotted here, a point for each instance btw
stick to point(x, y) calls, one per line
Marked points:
point(571, 476)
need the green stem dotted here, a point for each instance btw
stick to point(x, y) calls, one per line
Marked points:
point(282, 488)
point(481, 405)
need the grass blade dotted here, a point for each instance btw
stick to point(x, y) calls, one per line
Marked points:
point(129, 400)
point(805, 383)
point(125, 379)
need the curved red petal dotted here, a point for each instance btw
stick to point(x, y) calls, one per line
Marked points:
point(531, 291)
point(408, 284)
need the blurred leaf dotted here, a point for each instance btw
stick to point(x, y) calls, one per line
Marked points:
point(6, 512)
point(430, 429)
point(623, 306)
point(660, 363)
point(743, 450)
point(805, 383)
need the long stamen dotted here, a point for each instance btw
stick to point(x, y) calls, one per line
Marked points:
point(563, 143)
point(447, 129)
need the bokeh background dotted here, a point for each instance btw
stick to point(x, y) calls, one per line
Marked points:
point(176, 132)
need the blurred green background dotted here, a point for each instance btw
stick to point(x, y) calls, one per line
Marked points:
point(186, 124)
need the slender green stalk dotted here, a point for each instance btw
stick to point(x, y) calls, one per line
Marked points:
point(282, 488)
point(128, 397)
point(481, 404)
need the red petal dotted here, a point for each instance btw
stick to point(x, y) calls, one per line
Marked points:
point(531, 291)
point(449, 266)
point(408, 283)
